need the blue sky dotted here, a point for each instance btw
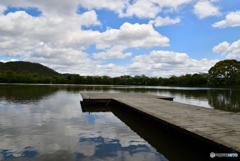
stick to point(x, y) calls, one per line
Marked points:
point(157, 38)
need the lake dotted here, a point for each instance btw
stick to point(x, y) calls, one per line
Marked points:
point(47, 122)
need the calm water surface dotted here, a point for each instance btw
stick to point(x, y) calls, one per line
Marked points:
point(41, 122)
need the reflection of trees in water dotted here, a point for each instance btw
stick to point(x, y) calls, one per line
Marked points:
point(198, 94)
point(227, 100)
point(25, 94)
point(219, 99)
point(33, 93)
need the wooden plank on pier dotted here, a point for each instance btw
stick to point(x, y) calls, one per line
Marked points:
point(216, 127)
point(109, 96)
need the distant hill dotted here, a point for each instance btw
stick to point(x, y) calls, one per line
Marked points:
point(20, 66)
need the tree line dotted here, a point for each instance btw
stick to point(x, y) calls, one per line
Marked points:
point(27, 77)
point(223, 73)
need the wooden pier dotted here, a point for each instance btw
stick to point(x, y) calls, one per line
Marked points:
point(215, 127)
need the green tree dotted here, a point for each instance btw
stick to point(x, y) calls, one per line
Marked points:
point(9, 73)
point(45, 79)
point(237, 79)
point(89, 79)
point(62, 80)
point(19, 78)
point(77, 79)
point(106, 79)
point(224, 72)
point(35, 75)
point(144, 80)
point(26, 72)
point(28, 78)
point(1, 78)
point(172, 80)
point(153, 81)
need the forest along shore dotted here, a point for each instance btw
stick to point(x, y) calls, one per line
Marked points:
point(225, 73)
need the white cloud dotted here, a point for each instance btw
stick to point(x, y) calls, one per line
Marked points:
point(88, 18)
point(56, 37)
point(111, 70)
point(7, 60)
point(159, 21)
point(20, 31)
point(55, 53)
point(170, 3)
point(158, 63)
point(150, 8)
point(103, 46)
point(65, 60)
point(232, 20)
point(130, 35)
point(56, 40)
point(221, 48)
point(162, 57)
point(205, 8)
point(166, 63)
point(134, 35)
point(114, 5)
point(139, 8)
point(52, 7)
point(112, 53)
point(142, 9)
point(233, 49)
point(235, 45)
point(2, 9)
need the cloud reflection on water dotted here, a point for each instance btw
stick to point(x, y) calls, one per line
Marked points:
point(54, 128)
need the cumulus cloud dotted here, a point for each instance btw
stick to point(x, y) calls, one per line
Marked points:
point(102, 46)
point(112, 53)
point(24, 35)
point(232, 50)
point(159, 21)
point(65, 60)
point(150, 8)
point(2, 9)
point(171, 3)
point(166, 63)
point(112, 70)
point(162, 57)
point(55, 53)
point(20, 31)
point(114, 5)
point(232, 20)
point(221, 48)
point(7, 60)
point(138, 8)
point(158, 63)
point(135, 35)
point(57, 41)
point(53, 7)
point(57, 38)
point(205, 9)
point(131, 35)
point(142, 9)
